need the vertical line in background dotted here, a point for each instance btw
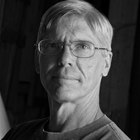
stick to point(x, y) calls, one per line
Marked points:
point(133, 114)
point(1, 14)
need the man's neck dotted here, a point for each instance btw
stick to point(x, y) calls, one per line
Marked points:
point(69, 116)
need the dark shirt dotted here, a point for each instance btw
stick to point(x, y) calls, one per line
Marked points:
point(101, 129)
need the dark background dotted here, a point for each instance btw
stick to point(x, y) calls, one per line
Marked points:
point(22, 92)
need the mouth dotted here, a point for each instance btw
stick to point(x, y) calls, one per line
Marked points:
point(64, 78)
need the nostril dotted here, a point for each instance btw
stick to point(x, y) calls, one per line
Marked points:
point(62, 64)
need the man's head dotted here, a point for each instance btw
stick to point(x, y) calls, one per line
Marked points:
point(74, 43)
point(98, 23)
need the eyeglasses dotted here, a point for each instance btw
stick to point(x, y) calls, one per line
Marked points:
point(80, 49)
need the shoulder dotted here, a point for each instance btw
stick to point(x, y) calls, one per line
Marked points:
point(108, 130)
point(25, 130)
point(117, 132)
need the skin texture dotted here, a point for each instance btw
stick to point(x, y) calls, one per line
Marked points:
point(72, 83)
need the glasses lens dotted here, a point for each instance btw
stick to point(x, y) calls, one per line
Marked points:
point(83, 49)
point(49, 48)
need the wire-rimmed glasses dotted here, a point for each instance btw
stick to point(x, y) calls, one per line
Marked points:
point(80, 48)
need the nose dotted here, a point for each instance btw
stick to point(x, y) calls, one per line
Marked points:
point(66, 57)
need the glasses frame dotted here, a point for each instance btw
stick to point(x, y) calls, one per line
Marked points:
point(96, 48)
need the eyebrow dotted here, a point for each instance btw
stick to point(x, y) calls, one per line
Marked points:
point(78, 40)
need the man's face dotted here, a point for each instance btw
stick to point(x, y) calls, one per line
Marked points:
point(65, 76)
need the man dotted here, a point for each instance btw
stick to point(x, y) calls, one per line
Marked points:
point(73, 54)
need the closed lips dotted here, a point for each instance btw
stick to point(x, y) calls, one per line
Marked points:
point(65, 77)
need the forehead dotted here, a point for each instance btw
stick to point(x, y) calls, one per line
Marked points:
point(70, 29)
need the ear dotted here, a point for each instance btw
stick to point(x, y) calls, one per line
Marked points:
point(107, 64)
point(37, 65)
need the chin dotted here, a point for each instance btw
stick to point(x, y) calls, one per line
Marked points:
point(63, 92)
point(66, 96)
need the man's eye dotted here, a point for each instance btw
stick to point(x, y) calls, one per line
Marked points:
point(52, 45)
point(82, 46)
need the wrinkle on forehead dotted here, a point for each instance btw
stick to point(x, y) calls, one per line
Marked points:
point(68, 26)
point(71, 29)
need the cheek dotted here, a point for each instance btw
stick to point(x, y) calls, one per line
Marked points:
point(91, 69)
point(46, 66)
point(86, 66)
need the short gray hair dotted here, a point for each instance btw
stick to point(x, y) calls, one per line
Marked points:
point(98, 23)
